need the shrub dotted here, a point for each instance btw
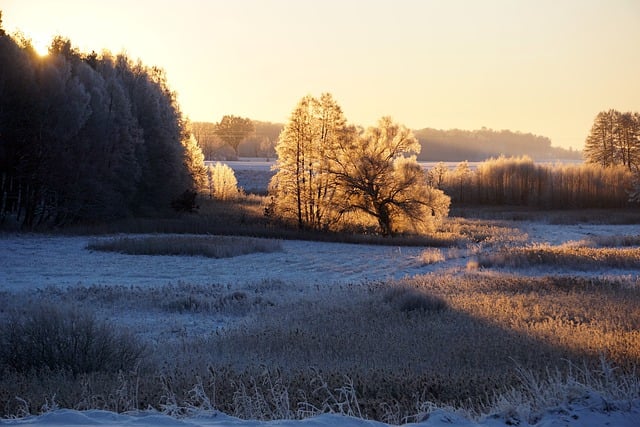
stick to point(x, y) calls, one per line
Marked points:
point(186, 202)
point(223, 184)
point(65, 339)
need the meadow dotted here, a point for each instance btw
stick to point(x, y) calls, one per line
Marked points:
point(476, 317)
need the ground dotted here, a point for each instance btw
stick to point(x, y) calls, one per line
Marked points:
point(32, 263)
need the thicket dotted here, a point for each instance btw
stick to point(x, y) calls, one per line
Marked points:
point(85, 136)
point(46, 338)
point(521, 182)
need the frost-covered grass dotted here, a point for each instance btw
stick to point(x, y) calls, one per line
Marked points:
point(323, 327)
point(567, 256)
point(192, 245)
point(390, 346)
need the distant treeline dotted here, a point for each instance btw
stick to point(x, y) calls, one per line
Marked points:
point(260, 143)
point(478, 145)
point(85, 136)
point(437, 145)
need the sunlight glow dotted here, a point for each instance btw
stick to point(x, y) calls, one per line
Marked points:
point(41, 44)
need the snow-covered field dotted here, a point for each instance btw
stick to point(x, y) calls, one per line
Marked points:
point(582, 416)
point(34, 262)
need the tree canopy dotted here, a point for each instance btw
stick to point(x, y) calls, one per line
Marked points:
point(330, 174)
point(86, 137)
point(614, 139)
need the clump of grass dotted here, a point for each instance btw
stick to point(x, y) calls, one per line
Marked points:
point(186, 245)
point(567, 256)
point(613, 241)
point(431, 256)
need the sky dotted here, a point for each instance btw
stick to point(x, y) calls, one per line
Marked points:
point(540, 66)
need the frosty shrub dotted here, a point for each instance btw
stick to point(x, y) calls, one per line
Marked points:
point(222, 182)
point(65, 339)
point(207, 246)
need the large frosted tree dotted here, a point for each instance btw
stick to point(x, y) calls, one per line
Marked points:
point(303, 187)
point(378, 175)
point(328, 172)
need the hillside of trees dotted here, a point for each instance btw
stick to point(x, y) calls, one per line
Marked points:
point(86, 137)
point(478, 145)
point(437, 145)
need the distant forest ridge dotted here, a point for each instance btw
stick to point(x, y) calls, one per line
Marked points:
point(478, 145)
point(451, 145)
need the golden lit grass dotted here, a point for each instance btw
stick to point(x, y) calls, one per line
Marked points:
point(447, 339)
point(453, 340)
point(566, 256)
point(186, 245)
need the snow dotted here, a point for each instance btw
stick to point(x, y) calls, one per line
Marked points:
point(31, 262)
point(65, 261)
point(572, 417)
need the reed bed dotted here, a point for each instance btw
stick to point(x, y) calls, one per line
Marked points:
point(192, 245)
point(565, 256)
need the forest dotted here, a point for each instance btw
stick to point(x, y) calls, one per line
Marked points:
point(142, 285)
point(86, 137)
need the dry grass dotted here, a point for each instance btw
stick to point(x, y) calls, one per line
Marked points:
point(566, 256)
point(452, 340)
point(207, 246)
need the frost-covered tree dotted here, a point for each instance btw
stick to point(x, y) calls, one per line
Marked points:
point(222, 182)
point(614, 139)
point(437, 174)
point(302, 187)
point(377, 174)
point(194, 162)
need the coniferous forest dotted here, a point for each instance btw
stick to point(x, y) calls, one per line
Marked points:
point(85, 136)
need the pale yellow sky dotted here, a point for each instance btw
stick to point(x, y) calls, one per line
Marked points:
point(541, 66)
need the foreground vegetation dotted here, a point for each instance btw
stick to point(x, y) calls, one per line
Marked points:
point(384, 350)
